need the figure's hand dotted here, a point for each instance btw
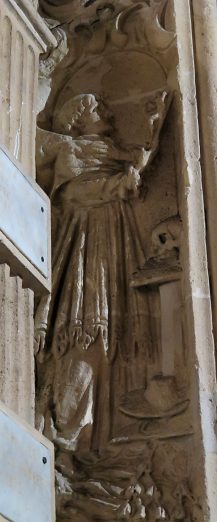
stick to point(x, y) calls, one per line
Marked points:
point(97, 149)
point(39, 339)
point(133, 180)
point(142, 158)
point(41, 316)
point(130, 183)
point(85, 150)
point(85, 145)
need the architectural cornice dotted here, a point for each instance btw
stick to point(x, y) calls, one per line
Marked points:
point(27, 13)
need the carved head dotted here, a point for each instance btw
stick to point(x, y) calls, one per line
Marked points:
point(82, 115)
point(166, 237)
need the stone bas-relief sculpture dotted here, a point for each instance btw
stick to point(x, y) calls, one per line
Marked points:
point(118, 416)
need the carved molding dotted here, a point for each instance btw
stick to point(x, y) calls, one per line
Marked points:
point(24, 36)
point(31, 20)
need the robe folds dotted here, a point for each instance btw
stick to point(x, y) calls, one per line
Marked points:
point(98, 334)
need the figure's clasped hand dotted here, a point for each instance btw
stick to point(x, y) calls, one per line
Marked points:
point(142, 157)
point(86, 151)
point(97, 149)
point(130, 183)
point(133, 180)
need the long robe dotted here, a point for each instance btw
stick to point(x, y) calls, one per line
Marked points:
point(98, 337)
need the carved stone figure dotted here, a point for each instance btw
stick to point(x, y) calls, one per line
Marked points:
point(96, 323)
point(105, 397)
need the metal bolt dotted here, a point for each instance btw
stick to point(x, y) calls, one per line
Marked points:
point(44, 460)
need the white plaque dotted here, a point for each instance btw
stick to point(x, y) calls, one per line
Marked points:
point(26, 472)
point(24, 225)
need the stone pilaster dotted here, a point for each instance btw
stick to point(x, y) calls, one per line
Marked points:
point(198, 137)
point(16, 350)
point(23, 36)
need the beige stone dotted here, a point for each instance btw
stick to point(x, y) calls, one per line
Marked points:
point(24, 35)
point(204, 32)
point(16, 359)
point(197, 292)
point(129, 314)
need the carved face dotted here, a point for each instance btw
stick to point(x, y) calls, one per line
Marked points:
point(82, 115)
point(96, 118)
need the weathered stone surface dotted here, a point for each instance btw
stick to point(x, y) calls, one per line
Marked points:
point(126, 366)
point(116, 382)
point(16, 345)
point(23, 35)
point(197, 305)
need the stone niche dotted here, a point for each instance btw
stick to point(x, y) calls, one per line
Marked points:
point(114, 371)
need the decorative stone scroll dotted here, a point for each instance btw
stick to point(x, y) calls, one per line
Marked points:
point(113, 383)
